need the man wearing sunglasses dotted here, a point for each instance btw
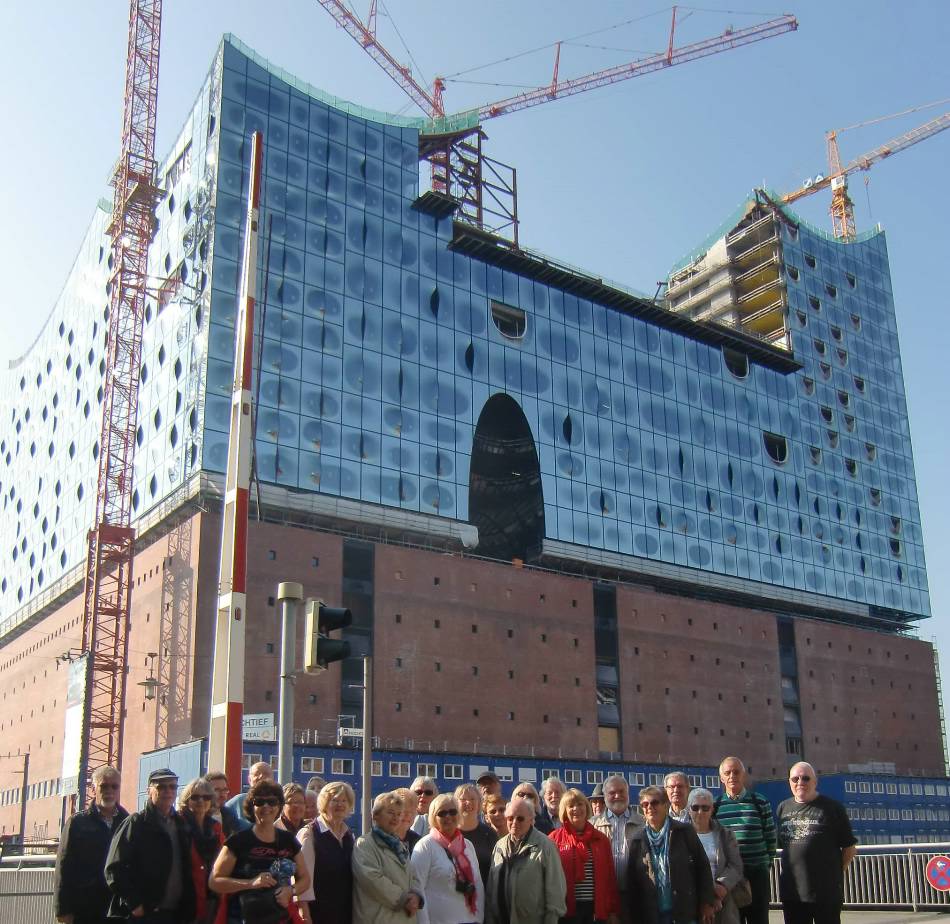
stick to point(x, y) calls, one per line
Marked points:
point(80, 893)
point(817, 845)
point(148, 868)
point(425, 790)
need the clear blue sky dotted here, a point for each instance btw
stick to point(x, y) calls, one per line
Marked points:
point(621, 181)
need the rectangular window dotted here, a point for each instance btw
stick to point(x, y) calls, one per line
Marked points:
point(864, 787)
point(892, 789)
point(376, 768)
point(594, 777)
point(656, 779)
point(907, 815)
point(636, 779)
point(929, 789)
point(878, 787)
point(248, 759)
point(905, 789)
point(917, 789)
point(504, 773)
point(695, 779)
point(850, 786)
point(893, 814)
point(399, 768)
point(712, 781)
point(272, 760)
point(572, 777)
point(311, 765)
point(548, 773)
point(342, 766)
point(452, 771)
point(941, 790)
point(880, 814)
point(527, 775)
point(430, 770)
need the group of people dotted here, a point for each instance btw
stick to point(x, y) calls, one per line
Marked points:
point(278, 854)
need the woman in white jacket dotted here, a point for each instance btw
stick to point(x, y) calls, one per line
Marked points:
point(445, 869)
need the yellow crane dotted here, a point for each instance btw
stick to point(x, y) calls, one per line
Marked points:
point(842, 207)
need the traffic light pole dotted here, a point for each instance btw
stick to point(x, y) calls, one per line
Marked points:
point(289, 595)
point(366, 803)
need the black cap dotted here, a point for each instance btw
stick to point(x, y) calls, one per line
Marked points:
point(487, 775)
point(161, 776)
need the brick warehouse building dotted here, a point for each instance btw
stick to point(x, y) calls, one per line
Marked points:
point(566, 517)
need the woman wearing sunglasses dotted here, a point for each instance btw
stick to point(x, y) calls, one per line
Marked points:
point(668, 875)
point(722, 851)
point(445, 869)
point(247, 864)
point(194, 806)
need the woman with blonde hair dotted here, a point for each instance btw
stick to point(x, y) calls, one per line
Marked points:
point(445, 869)
point(493, 810)
point(482, 836)
point(587, 857)
point(326, 844)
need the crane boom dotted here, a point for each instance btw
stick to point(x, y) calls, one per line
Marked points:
point(881, 152)
point(672, 56)
point(365, 35)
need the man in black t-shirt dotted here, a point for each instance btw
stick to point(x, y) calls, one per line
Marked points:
point(817, 845)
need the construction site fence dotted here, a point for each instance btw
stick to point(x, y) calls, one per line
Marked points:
point(881, 877)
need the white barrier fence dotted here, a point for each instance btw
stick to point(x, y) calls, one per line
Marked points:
point(882, 876)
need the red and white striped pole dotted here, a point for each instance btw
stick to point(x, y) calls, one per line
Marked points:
point(227, 683)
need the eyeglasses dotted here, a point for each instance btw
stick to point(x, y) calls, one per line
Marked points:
point(651, 803)
point(800, 779)
point(197, 796)
point(424, 792)
point(446, 813)
point(700, 808)
point(269, 801)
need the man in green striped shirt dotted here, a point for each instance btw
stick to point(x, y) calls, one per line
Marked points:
point(749, 816)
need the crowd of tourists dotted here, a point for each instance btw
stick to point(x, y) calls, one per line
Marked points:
point(285, 854)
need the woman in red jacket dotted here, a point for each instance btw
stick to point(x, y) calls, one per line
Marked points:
point(588, 863)
point(194, 805)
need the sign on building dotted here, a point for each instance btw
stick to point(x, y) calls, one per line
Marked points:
point(259, 726)
point(75, 720)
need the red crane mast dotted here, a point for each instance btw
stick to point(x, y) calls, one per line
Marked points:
point(108, 577)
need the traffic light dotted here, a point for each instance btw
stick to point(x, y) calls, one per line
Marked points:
point(322, 650)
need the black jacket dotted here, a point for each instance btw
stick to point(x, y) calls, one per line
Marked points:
point(139, 864)
point(690, 876)
point(79, 883)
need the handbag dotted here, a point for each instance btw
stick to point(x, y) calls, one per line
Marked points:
point(742, 893)
point(259, 906)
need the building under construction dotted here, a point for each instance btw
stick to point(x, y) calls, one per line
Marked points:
point(566, 517)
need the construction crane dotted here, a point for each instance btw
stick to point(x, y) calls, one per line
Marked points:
point(842, 206)
point(111, 549)
point(483, 188)
point(432, 104)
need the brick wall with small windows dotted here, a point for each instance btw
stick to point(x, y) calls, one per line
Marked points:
point(867, 697)
point(698, 681)
point(473, 651)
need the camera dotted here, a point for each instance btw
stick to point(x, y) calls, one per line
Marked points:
point(466, 888)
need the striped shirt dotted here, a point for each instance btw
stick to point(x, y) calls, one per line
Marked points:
point(749, 817)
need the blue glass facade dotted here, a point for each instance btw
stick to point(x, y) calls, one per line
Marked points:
point(379, 352)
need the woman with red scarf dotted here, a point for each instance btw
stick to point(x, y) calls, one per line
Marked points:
point(588, 863)
point(445, 869)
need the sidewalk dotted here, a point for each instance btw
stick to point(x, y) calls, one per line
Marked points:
point(880, 917)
